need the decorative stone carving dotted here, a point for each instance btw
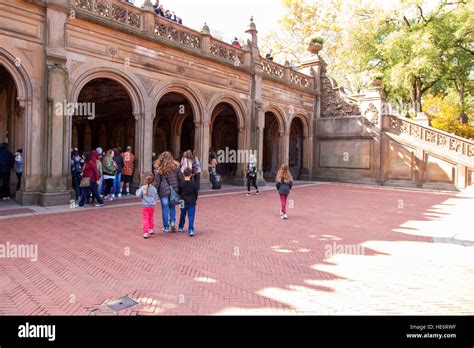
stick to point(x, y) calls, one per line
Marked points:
point(372, 114)
point(206, 95)
point(112, 50)
point(149, 84)
point(180, 69)
point(334, 102)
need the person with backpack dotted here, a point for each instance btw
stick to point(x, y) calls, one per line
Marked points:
point(187, 160)
point(128, 168)
point(149, 196)
point(188, 192)
point(252, 174)
point(76, 170)
point(109, 168)
point(284, 183)
point(167, 178)
point(90, 180)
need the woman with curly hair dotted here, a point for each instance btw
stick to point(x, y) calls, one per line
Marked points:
point(284, 182)
point(167, 176)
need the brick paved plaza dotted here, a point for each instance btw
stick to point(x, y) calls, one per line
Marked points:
point(245, 260)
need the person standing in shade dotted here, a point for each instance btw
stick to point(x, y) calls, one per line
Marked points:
point(7, 161)
point(167, 176)
point(197, 168)
point(128, 168)
point(98, 164)
point(118, 174)
point(76, 170)
point(90, 171)
point(100, 157)
point(188, 192)
point(252, 174)
point(109, 169)
point(19, 167)
point(186, 160)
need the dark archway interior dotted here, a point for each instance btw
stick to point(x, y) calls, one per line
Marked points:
point(271, 143)
point(174, 116)
point(295, 158)
point(113, 125)
point(225, 135)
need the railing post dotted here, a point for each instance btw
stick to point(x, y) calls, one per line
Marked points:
point(206, 39)
point(286, 71)
point(148, 18)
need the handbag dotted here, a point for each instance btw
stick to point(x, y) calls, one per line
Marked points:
point(175, 199)
point(85, 182)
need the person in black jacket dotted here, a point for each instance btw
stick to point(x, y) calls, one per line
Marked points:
point(7, 161)
point(189, 194)
point(284, 183)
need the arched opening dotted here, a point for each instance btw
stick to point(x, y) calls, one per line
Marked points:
point(271, 146)
point(103, 117)
point(173, 125)
point(224, 139)
point(11, 124)
point(295, 154)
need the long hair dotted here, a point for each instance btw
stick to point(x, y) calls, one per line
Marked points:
point(188, 155)
point(284, 174)
point(165, 163)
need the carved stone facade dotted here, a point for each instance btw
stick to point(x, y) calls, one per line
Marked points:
point(333, 101)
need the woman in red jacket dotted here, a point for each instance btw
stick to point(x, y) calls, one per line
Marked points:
point(90, 171)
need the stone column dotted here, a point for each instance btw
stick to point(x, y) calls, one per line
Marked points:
point(205, 141)
point(143, 146)
point(307, 157)
point(285, 146)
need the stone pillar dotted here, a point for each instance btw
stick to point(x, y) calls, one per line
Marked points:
point(148, 22)
point(285, 146)
point(205, 141)
point(144, 146)
point(206, 39)
point(58, 122)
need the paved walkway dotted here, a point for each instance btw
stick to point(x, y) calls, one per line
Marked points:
point(344, 250)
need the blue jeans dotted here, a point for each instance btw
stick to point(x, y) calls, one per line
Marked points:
point(167, 210)
point(191, 210)
point(100, 188)
point(87, 190)
point(117, 183)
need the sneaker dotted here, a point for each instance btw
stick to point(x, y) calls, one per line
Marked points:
point(180, 229)
point(173, 228)
point(285, 217)
point(282, 216)
point(119, 195)
point(165, 230)
point(145, 235)
point(6, 198)
point(247, 194)
point(151, 231)
point(257, 192)
point(99, 205)
point(79, 206)
point(128, 193)
point(190, 233)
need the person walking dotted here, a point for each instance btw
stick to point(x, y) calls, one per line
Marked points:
point(76, 170)
point(109, 169)
point(284, 183)
point(90, 180)
point(19, 167)
point(149, 196)
point(98, 163)
point(100, 157)
point(128, 168)
point(188, 192)
point(7, 161)
point(167, 177)
point(118, 174)
point(197, 169)
point(252, 174)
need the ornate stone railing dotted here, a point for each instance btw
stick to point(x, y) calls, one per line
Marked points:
point(113, 10)
point(177, 33)
point(273, 69)
point(227, 52)
point(430, 135)
point(285, 74)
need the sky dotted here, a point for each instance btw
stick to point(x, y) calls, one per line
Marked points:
point(228, 17)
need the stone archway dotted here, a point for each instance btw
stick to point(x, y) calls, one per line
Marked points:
point(298, 132)
point(272, 154)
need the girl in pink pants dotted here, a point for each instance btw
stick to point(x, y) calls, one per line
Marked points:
point(284, 182)
point(149, 196)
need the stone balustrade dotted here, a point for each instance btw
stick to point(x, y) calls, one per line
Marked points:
point(130, 17)
point(430, 135)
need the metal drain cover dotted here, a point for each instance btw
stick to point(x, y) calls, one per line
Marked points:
point(121, 303)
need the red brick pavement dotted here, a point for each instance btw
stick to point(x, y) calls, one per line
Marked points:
point(244, 259)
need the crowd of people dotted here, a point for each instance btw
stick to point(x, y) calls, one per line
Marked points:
point(168, 14)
